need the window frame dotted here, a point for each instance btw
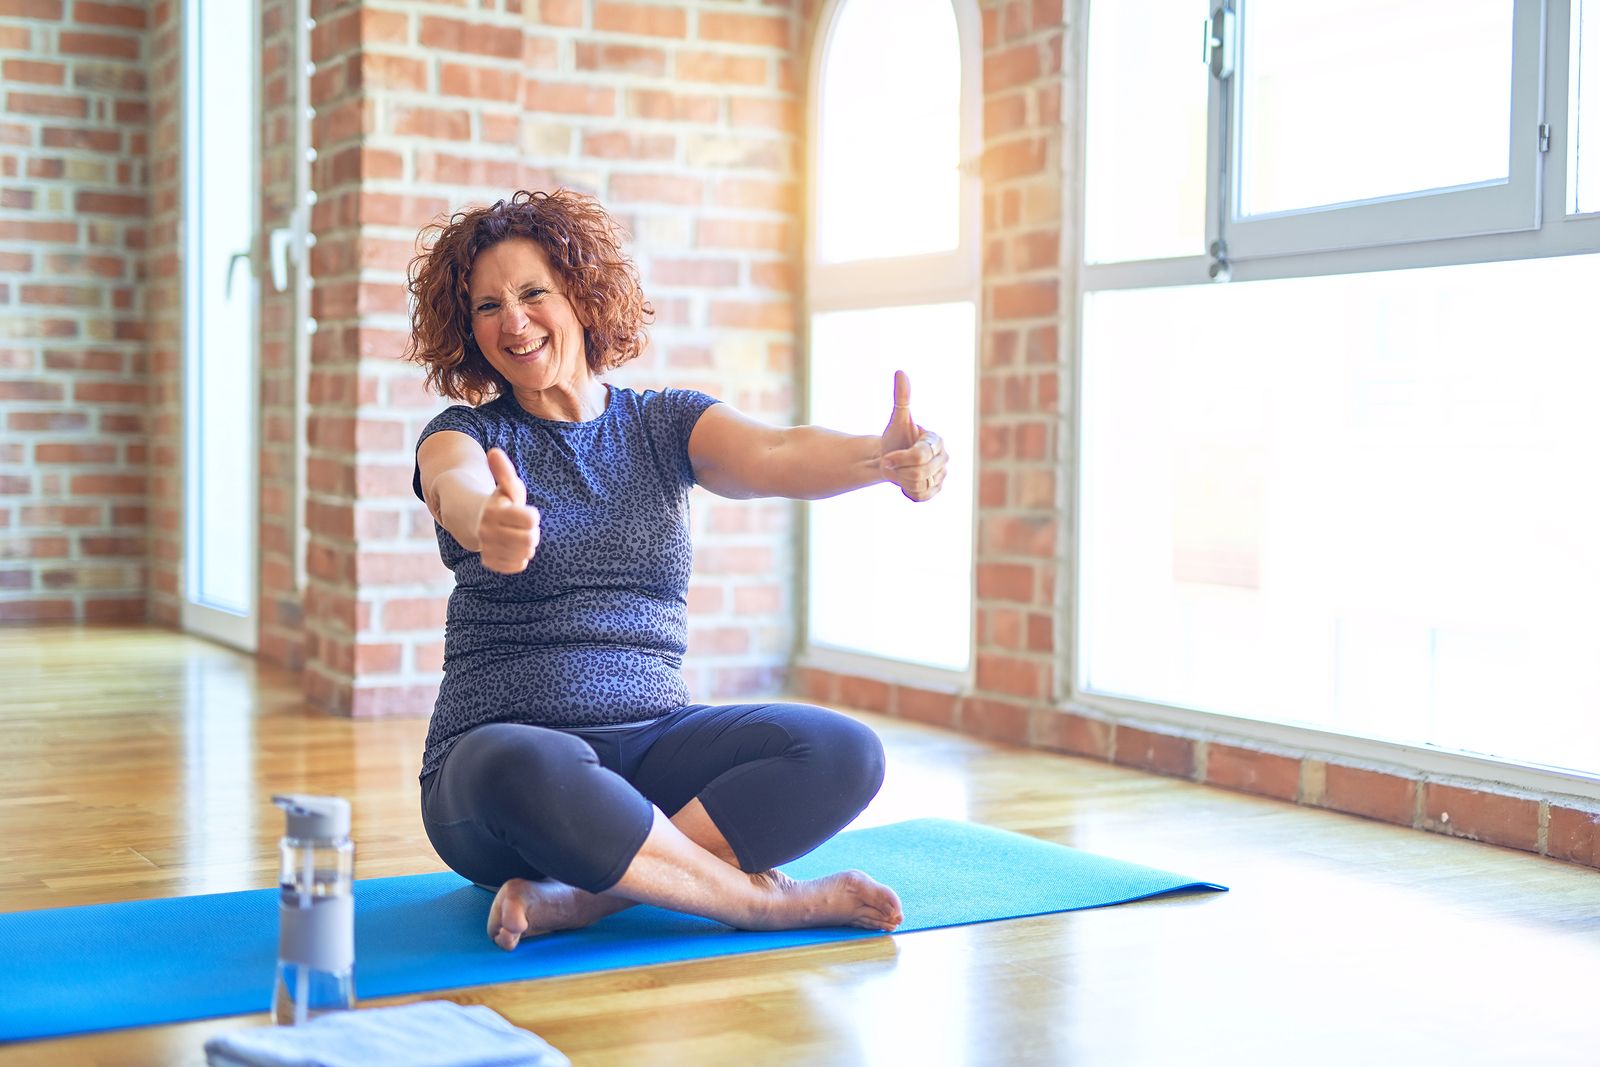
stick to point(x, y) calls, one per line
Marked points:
point(895, 281)
point(1559, 233)
point(1490, 207)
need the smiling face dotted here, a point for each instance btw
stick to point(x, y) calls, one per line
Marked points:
point(524, 326)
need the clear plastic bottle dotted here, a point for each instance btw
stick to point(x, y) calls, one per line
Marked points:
point(316, 911)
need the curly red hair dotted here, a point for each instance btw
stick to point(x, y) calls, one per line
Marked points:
point(584, 246)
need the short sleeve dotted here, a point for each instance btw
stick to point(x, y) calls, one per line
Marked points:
point(671, 415)
point(460, 418)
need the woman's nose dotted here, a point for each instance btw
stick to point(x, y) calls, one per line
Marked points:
point(513, 316)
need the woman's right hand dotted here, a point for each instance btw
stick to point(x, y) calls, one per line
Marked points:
point(508, 527)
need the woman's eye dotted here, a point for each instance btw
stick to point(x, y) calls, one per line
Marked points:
point(484, 309)
point(533, 294)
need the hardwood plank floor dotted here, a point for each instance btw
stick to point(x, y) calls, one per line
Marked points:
point(140, 763)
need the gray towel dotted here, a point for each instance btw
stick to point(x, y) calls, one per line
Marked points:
point(433, 1033)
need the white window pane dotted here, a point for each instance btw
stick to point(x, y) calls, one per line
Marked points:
point(222, 395)
point(888, 577)
point(1145, 142)
point(1365, 503)
point(890, 132)
point(1372, 98)
point(1586, 107)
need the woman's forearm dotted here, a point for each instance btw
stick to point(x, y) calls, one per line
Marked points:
point(456, 499)
point(812, 463)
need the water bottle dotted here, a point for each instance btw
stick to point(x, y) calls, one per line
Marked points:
point(316, 911)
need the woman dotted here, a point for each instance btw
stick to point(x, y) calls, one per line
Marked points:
point(565, 767)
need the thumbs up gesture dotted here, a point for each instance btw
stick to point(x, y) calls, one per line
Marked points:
point(508, 528)
point(911, 457)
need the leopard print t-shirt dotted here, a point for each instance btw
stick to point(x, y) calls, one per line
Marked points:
point(594, 630)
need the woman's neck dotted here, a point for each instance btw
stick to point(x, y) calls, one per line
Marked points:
point(580, 400)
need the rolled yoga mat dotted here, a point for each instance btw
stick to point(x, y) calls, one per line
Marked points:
point(105, 966)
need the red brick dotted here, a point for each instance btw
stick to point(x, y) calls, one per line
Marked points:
point(28, 421)
point(111, 204)
point(561, 12)
point(923, 705)
point(1370, 793)
point(1011, 67)
point(769, 30)
point(698, 273)
point(1026, 300)
point(569, 99)
point(1490, 817)
point(480, 38)
point(647, 19)
point(753, 315)
point(1252, 772)
point(481, 83)
point(996, 720)
point(1160, 753)
point(864, 694)
point(61, 515)
point(31, 9)
point(1006, 581)
point(25, 70)
point(438, 123)
point(74, 453)
point(656, 189)
point(746, 234)
point(1574, 835)
point(616, 144)
point(131, 16)
point(1079, 735)
point(451, 169)
point(721, 68)
point(1012, 159)
point(380, 70)
point(31, 390)
point(621, 59)
point(673, 107)
point(1013, 675)
point(98, 44)
point(413, 613)
point(72, 107)
point(35, 610)
point(108, 485)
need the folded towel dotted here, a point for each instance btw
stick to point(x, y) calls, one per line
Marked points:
point(432, 1033)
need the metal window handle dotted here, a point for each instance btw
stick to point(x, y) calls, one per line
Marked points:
point(227, 282)
point(1219, 38)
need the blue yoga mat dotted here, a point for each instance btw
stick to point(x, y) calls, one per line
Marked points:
point(104, 966)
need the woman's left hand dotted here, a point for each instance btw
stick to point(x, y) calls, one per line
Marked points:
point(911, 457)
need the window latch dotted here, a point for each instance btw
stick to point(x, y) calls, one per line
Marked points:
point(1544, 137)
point(1219, 38)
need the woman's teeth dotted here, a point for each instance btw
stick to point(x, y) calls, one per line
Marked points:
point(527, 349)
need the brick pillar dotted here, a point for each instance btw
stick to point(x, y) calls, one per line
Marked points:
point(73, 230)
point(279, 637)
point(164, 292)
point(1022, 427)
point(684, 120)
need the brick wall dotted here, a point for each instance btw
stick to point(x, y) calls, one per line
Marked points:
point(74, 223)
point(683, 119)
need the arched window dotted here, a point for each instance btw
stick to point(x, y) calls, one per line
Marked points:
point(892, 271)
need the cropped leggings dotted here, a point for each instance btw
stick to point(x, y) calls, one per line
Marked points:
point(575, 805)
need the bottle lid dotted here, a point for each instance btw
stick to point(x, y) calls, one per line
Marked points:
point(326, 818)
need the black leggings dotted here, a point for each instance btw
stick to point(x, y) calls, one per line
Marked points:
point(514, 801)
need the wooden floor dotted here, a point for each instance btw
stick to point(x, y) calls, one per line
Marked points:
point(140, 764)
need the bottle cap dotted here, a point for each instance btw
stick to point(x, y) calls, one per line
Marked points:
point(313, 818)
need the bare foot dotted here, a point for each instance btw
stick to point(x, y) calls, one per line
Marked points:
point(523, 909)
point(848, 898)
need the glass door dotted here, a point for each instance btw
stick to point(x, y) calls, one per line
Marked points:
point(221, 207)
